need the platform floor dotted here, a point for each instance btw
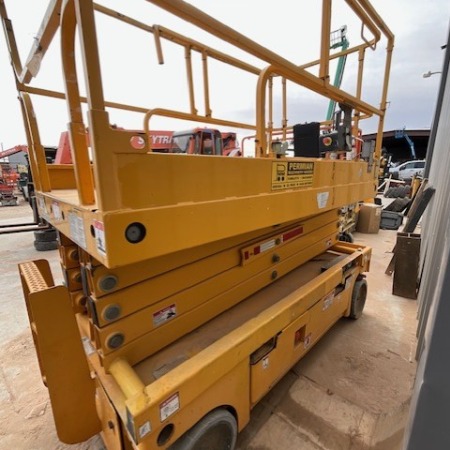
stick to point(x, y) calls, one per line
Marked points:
point(350, 392)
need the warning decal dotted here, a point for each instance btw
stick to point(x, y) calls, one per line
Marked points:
point(164, 315)
point(56, 211)
point(100, 241)
point(76, 224)
point(42, 207)
point(169, 406)
point(145, 429)
point(292, 174)
point(328, 300)
point(259, 248)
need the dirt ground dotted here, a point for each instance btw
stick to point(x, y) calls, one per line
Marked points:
point(352, 390)
point(26, 420)
point(355, 383)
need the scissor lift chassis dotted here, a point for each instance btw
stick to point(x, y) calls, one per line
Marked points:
point(229, 362)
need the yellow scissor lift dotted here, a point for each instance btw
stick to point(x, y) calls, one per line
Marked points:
point(167, 332)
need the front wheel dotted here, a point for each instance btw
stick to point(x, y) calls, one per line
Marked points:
point(359, 296)
point(216, 431)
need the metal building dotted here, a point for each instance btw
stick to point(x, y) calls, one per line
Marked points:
point(430, 408)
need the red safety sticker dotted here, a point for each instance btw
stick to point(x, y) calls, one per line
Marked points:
point(100, 241)
point(164, 315)
point(269, 244)
point(169, 407)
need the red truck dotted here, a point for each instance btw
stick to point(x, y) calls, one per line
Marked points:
point(196, 141)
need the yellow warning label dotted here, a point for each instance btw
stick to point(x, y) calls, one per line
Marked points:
point(292, 174)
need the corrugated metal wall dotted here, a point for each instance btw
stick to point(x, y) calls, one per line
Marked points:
point(429, 421)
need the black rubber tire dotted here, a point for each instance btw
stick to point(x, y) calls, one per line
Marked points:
point(216, 431)
point(45, 235)
point(42, 246)
point(359, 296)
point(350, 238)
point(398, 191)
point(389, 193)
point(398, 205)
point(401, 193)
point(346, 237)
point(395, 192)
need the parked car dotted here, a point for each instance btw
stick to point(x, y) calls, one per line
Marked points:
point(408, 169)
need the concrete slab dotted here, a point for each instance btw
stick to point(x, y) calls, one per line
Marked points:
point(351, 391)
point(26, 420)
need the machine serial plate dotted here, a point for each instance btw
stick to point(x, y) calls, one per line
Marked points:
point(292, 174)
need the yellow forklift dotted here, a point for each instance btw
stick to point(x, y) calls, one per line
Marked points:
point(166, 332)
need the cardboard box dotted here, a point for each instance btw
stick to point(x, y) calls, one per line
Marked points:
point(369, 218)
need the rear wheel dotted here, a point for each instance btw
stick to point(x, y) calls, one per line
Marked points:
point(346, 237)
point(45, 235)
point(43, 246)
point(398, 205)
point(359, 296)
point(45, 240)
point(216, 431)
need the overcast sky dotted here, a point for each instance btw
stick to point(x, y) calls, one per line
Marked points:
point(290, 28)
